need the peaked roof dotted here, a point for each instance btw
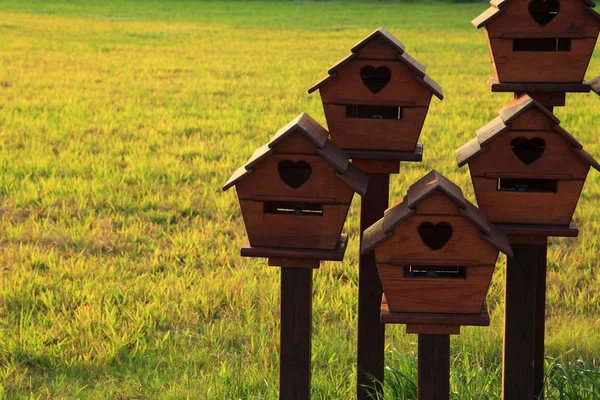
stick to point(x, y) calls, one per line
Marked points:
point(414, 65)
point(501, 124)
point(497, 8)
point(310, 129)
point(419, 191)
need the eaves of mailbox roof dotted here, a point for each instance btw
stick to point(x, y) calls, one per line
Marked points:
point(498, 7)
point(310, 129)
point(419, 191)
point(501, 124)
point(414, 65)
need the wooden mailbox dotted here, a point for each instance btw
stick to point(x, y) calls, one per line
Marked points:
point(377, 98)
point(435, 251)
point(544, 41)
point(296, 190)
point(525, 168)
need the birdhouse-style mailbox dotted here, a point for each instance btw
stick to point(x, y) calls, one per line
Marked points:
point(543, 41)
point(525, 168)
point(378, 97)
point(296, 190)
point(435, 251)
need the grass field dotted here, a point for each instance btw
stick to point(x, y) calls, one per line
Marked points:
point(119, 269)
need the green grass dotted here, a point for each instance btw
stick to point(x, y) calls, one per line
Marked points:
point(120, 274)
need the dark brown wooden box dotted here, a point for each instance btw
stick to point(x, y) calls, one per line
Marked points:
point(435, 251)
point(378, 97)
point(525, 168)
point(296, 190)
point(548, 41)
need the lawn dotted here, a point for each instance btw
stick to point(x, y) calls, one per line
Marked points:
point(120, 274)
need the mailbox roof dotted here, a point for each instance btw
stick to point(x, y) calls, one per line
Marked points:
point(501, 124)
point(419, 191)
point(414, 65)
point(311, 129)
point(497, 8)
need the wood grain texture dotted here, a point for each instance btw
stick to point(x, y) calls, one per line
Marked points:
point(371, 332)
point(296, 334)
point(294, 231)
point(434, 367)
point(531, 66)
point(403, 85)
point(557, 158)
point(323, 186)
point(465, 245)
point(573, 20)
point(399, 135)
point(435, 295)
point(528, 208)
point(521, 303)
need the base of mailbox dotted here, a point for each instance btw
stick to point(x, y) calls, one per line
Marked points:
point(498, 87)
point(433, 324)
point(383, 161)
point(532, 234)
point(415, 156)
point(296, 258)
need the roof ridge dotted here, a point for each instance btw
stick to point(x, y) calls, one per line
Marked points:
point(498, 6)
point(326, 149)
point(417, 192)
point(402, 55)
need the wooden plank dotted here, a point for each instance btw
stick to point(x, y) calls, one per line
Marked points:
point(388, 317)
point(526, 87)
point(378, 166)
point(398, 135)
point(360, 154)
point(514, 207)
point(520, 321)
point(289, 230)
point(304, 254)
point(425, 329)
point(540, 230)
point(436, 295)
point(434, 367)
point(296, 334)
point(371, 332)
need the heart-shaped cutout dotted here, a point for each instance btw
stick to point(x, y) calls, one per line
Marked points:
point(528, 150)
point(435, 236)
point(294, 174)
point(544, 11)
point(375, 79)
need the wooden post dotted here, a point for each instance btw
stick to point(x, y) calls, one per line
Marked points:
point(523, 368)
point(540, 324)
point(434, 367)
point(371, 332)
point(296, 333)
point(296, 311)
